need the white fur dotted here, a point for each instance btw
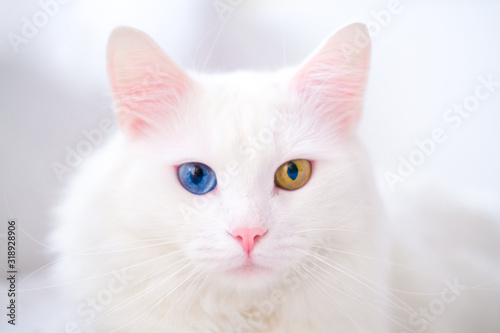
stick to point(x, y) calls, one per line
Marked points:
point(130, 193)
point(325, 260)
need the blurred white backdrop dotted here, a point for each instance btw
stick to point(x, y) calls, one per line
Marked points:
point(427, 56)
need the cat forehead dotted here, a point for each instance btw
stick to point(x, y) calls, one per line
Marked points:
point(244, 99)
point(244, 115)
point(235, 107)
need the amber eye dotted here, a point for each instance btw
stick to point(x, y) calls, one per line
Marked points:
point(293, 174)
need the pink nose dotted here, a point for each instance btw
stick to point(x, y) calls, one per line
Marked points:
point(247, 237)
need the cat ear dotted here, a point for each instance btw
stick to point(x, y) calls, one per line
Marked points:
point(332, 82)
point(146, 84)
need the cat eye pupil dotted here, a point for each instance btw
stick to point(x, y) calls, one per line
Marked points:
point(292, 171)
point(196, 174)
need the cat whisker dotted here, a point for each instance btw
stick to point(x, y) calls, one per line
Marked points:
point(172, 306)
point(130, 249)
point(151, 308)
point(202, 285)
point(330, 229)
point(390, 262)
point(98, 275)
point(320, 285)
point(146, 291)
point(167, 268)
point(358, 278)
point(81, 253)
point(39, 270)
point(357, 297)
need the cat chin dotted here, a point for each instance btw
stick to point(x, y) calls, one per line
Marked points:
point(245, 282)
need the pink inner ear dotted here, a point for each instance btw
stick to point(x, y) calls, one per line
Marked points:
point(333, 91)
point(331, 84)
point(333, 99)
point(147, 98)
point(146, 84)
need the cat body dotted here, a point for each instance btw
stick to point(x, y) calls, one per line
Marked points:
point(142, 253)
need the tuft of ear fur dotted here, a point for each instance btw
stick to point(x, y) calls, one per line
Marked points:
point(146, 84)
point(332, 82)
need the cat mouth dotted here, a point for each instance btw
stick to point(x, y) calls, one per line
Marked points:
point(248, 268)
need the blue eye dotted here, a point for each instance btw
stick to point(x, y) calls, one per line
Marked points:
point(196, 178)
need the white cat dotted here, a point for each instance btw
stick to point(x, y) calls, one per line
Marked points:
point(238, 202)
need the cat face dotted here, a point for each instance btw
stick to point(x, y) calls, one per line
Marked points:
point(242, 174)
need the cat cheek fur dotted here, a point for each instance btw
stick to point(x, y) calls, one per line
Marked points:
point(128, 203)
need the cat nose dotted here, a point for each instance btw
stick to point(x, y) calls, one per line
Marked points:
point(247, 237)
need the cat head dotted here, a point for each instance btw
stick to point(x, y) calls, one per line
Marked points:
point(241, 175)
